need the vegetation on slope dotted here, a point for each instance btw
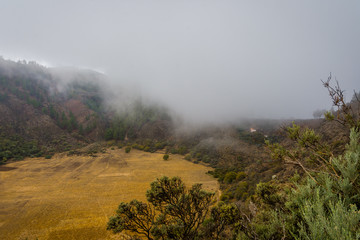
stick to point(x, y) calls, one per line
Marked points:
point(62, 109)
point(323, 204)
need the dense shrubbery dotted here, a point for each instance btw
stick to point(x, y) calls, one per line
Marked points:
point(127, 149)
point(17, 148)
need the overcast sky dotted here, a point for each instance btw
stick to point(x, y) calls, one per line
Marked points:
point(208, 60)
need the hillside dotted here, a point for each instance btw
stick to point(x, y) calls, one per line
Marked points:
point(46, 110)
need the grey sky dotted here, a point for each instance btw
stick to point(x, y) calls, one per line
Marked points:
point(206, 59)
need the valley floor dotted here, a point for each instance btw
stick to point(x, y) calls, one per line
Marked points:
point(72, 197)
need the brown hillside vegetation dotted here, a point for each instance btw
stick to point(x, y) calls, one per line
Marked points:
point(72, 197)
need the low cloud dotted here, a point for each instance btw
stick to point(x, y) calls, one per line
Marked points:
point(208, 61)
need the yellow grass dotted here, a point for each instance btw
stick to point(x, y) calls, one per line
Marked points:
point(73, 197)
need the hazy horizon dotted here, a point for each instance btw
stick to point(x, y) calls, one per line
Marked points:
point(206, 60)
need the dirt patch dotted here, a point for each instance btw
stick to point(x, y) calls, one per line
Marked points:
point(4, 168)
point(115, 175)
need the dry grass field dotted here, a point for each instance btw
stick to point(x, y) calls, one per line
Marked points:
point(72, 197)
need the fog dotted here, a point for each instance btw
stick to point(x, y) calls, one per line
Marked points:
point(206, 60)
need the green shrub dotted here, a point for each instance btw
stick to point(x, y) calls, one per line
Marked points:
point(240, 192)
point(128, 149)
point(182, 150)
point(166, 157)
point(267, 192)
point(224, 197)
point(240, 176)
point(160, 145)
point(206, 159)
point(230, 177)
point(173, 151)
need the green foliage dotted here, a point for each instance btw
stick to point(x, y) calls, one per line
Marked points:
point(127, 149)
point(241, 190)
point(325, 219)
point(324, 206)
point(135, 216)
point(223, 219)
point(329, 116)
point(15, 147)
point(94, 103)
point(309, 151)
point(329, 204)
point(182, 150)
point(73, 123)
point(149, 145)
point(240, 176)
point(230, 177)
point(173, 212)
point(166, 157)
point(109, 133)
point(267, 192)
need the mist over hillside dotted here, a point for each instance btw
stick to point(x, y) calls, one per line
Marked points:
point(206, 60)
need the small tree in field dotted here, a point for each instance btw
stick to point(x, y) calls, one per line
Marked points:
point(127, 149)
point(173, 212)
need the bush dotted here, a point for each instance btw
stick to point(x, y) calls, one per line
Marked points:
point(166, 157)
point(160, 145)
point(240, 176)
point(240, 192)
point(230, 177)
point(206, 159)
point(172, 212)
point(224, 197)
point(182, 150)
point(138, 146)
point(173, 151)
point(127, 149)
